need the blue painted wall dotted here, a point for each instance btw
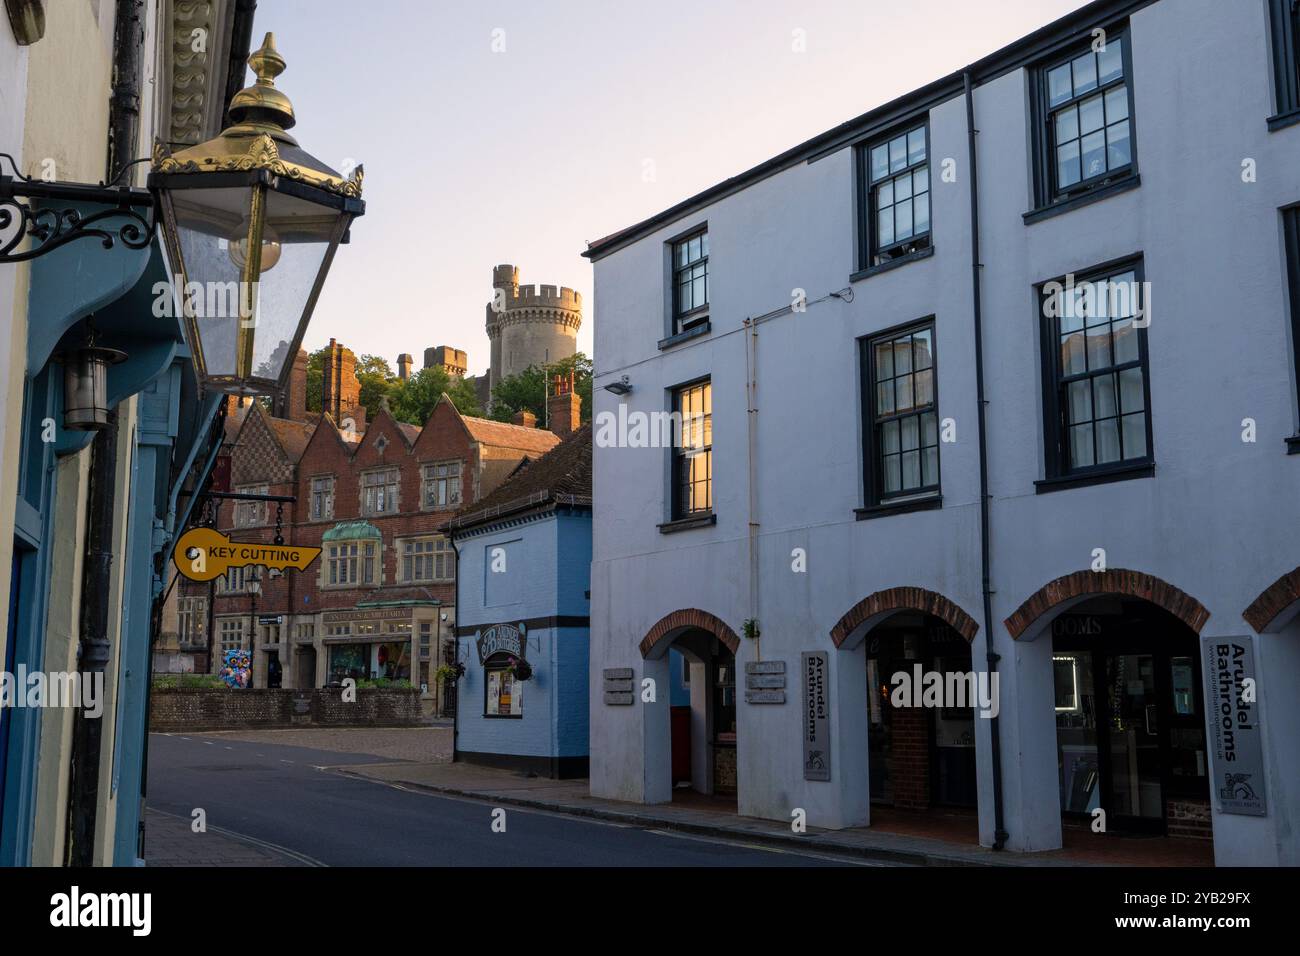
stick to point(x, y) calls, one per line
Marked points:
point(546, 574)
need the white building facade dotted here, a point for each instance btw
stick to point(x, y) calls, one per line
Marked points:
point(1117, 542)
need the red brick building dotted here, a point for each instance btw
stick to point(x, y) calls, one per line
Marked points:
point(380, 600)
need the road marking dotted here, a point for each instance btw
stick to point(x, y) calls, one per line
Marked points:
point(209, 743)
point(282, 760)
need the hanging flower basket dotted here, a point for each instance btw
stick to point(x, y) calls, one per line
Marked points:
point(750, 628)
point(450, 672)
point(520, 668)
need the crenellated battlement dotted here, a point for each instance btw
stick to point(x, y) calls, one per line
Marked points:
point(529, 324)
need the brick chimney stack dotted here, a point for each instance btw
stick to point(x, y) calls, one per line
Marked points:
point(340, 390)
point(526, 418)
point(404, 363)
point(564, 407)
point(292, 402)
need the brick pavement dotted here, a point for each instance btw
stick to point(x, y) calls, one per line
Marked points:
point(170, 841)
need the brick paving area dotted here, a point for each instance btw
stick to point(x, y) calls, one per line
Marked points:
point(169, 841)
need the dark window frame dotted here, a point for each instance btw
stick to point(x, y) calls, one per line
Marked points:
point(1055, 429)
point(1046, 192)
point(1284, 35)
point(684, 321)
point(872, 454)
point(1291, 244)
point(870, 252)
point(677, 455)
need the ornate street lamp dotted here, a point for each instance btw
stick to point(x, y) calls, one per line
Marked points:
point(251, 222)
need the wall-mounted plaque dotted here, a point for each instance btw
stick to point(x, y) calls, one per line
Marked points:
point(765, 682)
point(618, 686)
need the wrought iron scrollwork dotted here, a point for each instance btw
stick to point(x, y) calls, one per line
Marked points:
point(51, 227)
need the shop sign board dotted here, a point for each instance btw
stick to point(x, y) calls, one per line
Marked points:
point(502, 639)
point(1232, 713)
point(816, 718)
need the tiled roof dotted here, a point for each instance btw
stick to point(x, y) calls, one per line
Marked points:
point(412, 432)
point(505, 435)
point(292, 435)
point(564, 471)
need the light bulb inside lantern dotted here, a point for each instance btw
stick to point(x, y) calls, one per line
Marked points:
point(238, 249)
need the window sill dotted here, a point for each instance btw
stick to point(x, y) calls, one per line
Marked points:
point(929, 503)
point(685, 524)
point(1293, 445)
point(870, 271)
point(704, 328)
point(1084, 199)
point(1283, 120)
point(1046, 485)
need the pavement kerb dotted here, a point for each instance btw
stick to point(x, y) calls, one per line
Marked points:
point(813, 841)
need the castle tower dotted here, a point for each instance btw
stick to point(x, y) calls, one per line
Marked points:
point(453, 361)
point(529, 325)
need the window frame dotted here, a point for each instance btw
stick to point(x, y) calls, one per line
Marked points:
point(1284, 37)
point(1057, 470)
point(396, 483)
point(360, 570)
point(867, 213)
point(457, 474)
point(497, 664)
point(252, 514)
point(682, 322)
point(327, 513)
point(441, 552)
point(1047, 194)
point(1291, 251)
point(677, 454)
point(872, 465)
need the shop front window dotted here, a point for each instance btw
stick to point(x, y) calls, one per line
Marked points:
point(504, 693)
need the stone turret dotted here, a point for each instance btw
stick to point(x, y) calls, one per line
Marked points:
point(529, 325)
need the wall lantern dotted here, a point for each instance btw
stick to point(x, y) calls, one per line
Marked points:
point(251, 222)
point(620, 387)
point(85, 385)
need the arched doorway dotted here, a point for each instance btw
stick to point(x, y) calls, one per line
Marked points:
point(923, 697)
point(698, 759)
point(1128, 701)
point(1130, 719)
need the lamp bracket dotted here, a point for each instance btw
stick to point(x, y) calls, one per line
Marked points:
point(52, 226)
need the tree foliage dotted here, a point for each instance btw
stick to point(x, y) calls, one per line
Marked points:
point(529, 389)
point(411, 401)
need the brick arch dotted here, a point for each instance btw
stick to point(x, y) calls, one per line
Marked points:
point(1082, 584)
point(1276, 605)
point(904, 599)
point(672, 624)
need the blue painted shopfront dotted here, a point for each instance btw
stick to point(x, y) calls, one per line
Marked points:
point(523, 586)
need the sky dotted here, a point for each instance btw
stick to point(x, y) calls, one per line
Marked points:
point(496, 132)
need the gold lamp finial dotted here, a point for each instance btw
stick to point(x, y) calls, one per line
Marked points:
point(262, 103)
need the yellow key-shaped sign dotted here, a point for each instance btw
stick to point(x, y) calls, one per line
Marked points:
point(202, 554)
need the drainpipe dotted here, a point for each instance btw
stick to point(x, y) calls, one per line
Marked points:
point(455, 713)
point(94, 650)
point(999, 824)
point(128, 67)
point(751, 410)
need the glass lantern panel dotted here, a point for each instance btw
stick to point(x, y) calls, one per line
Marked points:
point(207, 222)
